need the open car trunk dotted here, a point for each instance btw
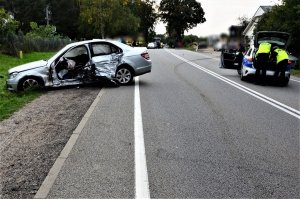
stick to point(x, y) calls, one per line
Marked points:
point(280, 39)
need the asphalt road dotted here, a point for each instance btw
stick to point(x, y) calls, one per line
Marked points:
point(204, 136)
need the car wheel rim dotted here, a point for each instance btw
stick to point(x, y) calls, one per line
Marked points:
point(29, 84)
point(123, 75)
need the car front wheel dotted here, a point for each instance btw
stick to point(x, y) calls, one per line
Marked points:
point(124, 76)
point(30, 83)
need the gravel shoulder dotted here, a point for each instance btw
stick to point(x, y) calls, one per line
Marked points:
point(32, 138)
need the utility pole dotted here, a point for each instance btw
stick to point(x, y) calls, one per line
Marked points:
point(48, 14)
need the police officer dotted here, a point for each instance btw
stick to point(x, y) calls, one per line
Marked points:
point(281, 63)
point(261, 60)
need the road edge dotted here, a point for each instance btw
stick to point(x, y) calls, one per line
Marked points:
point(59, 162)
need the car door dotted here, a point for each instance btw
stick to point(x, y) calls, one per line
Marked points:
point(106, 57)
point(63, 73)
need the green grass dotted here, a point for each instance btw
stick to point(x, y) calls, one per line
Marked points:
point(11, 101)
point(295, 71)
point(191, 48)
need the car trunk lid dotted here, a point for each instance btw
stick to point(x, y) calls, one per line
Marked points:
point(280, 39)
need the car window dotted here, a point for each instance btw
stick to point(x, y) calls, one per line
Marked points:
point(115, 49)
point(249, 52)
point(81, 50)
point(101, 49)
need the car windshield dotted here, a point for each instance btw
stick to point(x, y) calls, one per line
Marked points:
point(64, 49)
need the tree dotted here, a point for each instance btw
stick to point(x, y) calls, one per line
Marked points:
point(107, 18)
point(180, 16)
point(8, 27)
point(285, 18)
point(243, 21)
point(65, 16)
point(26, 11)
point(43, 31)
point(144, 10)
point(7, 23)
point(188, 39)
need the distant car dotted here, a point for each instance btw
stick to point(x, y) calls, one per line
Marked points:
point(152, 45)
point(83, 62)
point(280, 39)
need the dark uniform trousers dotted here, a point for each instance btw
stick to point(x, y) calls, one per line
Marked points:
point(262, 60)
point(281, 67)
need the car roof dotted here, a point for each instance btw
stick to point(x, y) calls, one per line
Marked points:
point(85, 42)
point(119, 44)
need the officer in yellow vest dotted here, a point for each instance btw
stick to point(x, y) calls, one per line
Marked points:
point(261, 61)
point(281, 62)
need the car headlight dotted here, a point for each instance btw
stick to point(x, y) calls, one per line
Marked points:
point(13, 75)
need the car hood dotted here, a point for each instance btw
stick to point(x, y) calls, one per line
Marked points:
point(28, 66)
point(280, 39)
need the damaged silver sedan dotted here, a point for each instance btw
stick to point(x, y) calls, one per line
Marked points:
point(82, 63)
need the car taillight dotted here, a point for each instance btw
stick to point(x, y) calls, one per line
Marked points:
point(250, 59)
point(145, 55)
point(289, 62)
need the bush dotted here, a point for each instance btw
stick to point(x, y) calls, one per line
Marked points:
point(39, 39)
point(15, 43)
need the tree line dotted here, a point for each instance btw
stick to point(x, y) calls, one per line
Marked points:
point(88, 19)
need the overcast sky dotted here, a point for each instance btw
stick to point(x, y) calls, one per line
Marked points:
point(220, 14)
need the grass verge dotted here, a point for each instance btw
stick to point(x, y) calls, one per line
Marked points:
point(9, 101)
point(296, 72)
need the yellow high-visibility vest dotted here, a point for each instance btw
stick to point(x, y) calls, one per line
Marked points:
point(281, 55)
point(263, 48)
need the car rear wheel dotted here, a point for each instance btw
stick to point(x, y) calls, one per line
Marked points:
point(124, 76)
point(285, 82)
point(30, 83)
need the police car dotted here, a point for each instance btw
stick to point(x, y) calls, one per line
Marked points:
point(279, 39)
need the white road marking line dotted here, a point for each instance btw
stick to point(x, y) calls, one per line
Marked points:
point(202, 54)
point(54, 171)
point(141, 174)
point(295, 80)
point(279, 105)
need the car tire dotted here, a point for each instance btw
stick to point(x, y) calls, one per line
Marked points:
point(285, 82)
point(30, 83)
point(124, 75)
